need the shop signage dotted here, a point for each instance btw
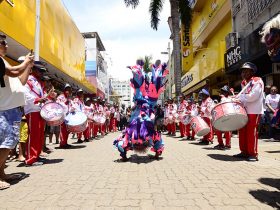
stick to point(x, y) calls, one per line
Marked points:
point(186, 80)
point(187, 48)
point(232, 56)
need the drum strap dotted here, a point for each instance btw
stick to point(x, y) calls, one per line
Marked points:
point(32, 89)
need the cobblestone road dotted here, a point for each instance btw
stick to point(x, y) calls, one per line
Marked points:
point(189, 176)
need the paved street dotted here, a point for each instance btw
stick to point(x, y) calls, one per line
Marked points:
point(189, 176)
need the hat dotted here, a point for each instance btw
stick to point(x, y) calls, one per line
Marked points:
point(38, 65)
point(204, 91)
point(45, 78)
point(225, 89)
point(80, 90)
point(87, 99)
point(249, 65)
point(67, 85)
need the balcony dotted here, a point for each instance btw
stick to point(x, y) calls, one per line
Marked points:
point(197, 5)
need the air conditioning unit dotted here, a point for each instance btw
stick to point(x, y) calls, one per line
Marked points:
point(236, 8)
point(232, 40)
point(276, 68)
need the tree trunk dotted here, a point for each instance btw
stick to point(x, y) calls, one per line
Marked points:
point(175, 15)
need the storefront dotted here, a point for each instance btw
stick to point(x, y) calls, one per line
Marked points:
point(62, 47)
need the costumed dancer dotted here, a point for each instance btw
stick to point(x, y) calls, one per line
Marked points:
point(205, 111)
point(225, 97)
point(35, 97)
point(140, 133)
point(252, 99)
point(65, 101)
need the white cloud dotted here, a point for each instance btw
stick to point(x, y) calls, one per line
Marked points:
point(125, 33)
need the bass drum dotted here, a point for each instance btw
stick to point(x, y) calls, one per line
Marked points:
point(76, 122)
point(53, 113)
point(199, 126)
point(229, 116)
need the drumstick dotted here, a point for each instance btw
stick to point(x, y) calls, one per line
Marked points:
point(249, 83)
point(49, 92)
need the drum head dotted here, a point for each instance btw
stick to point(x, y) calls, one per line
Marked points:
point(52, 112)
point(203, 132)
point(75, 118)
point(231, 122)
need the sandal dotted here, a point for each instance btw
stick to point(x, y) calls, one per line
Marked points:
point(4, 185)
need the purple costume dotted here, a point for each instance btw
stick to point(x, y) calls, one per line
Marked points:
point(140, 133)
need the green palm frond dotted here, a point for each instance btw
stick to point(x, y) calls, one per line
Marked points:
point(186, 12)
point(155, 9)
point(132, 3)
point(147, 63)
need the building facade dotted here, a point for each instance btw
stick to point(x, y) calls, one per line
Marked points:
point(123, 90)
point(244, 44)
point(62, 47)
point(205, 46)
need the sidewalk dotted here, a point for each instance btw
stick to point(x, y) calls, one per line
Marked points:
point(189, 176)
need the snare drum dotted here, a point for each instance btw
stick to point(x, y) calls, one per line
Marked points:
point(229, 116)
point(53, 113)
point(76, 122)
point(199, 126)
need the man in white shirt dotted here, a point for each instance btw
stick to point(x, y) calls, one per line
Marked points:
point(271, 102)
point(12, 79)
point(252, 100)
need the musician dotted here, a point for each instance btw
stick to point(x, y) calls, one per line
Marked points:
point(94, 130)
point(78, 103)
point(88, 110)
point(205, 111)
point(112, 119)
point(35, 97)
point(192, 111)
point(64, 99)
point(172, 108)
point(102, 113)
point(181, 111)
point(252, 99)
point(225, 97)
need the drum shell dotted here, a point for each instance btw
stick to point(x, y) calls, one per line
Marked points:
point(229, 116)
point(53, 113)
point(76, 122)
point(199, 126)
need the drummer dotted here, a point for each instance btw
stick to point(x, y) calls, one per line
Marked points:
point(64, 99)
point(34, 94)
point(252, 99)
point(172, 108)
point(78, 105)
point(225, 97)
point(181, 112)
point(192, 111)
point(205, 111)
point(88, 110)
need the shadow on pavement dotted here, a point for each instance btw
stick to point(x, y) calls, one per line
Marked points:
point(53, 161)
point(271, 198)
point(20, 176)
point(73, 147)
point(139, 159)
point(224, 157)
point(273, 151)
point(199, 144)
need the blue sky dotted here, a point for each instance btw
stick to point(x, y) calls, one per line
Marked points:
point(125, 33)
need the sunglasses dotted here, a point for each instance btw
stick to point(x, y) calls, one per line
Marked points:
point(3, 42)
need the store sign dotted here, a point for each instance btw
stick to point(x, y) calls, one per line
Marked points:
point(187, 79)
point(232, 56)
point(187, 48)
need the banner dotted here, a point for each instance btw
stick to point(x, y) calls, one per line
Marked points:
point(187, 48)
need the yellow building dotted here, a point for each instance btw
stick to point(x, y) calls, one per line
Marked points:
point(62, 46)
point(210, 25)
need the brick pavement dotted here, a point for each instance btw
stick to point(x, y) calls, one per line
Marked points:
point(189, 176)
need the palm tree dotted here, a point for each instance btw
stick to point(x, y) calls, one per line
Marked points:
point(147, 63)
point(180, 10)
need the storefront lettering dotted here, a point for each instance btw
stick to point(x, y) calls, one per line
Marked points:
point(187, 80)
point(233, 55)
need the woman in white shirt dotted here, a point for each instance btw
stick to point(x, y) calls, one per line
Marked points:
point(271, 101)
